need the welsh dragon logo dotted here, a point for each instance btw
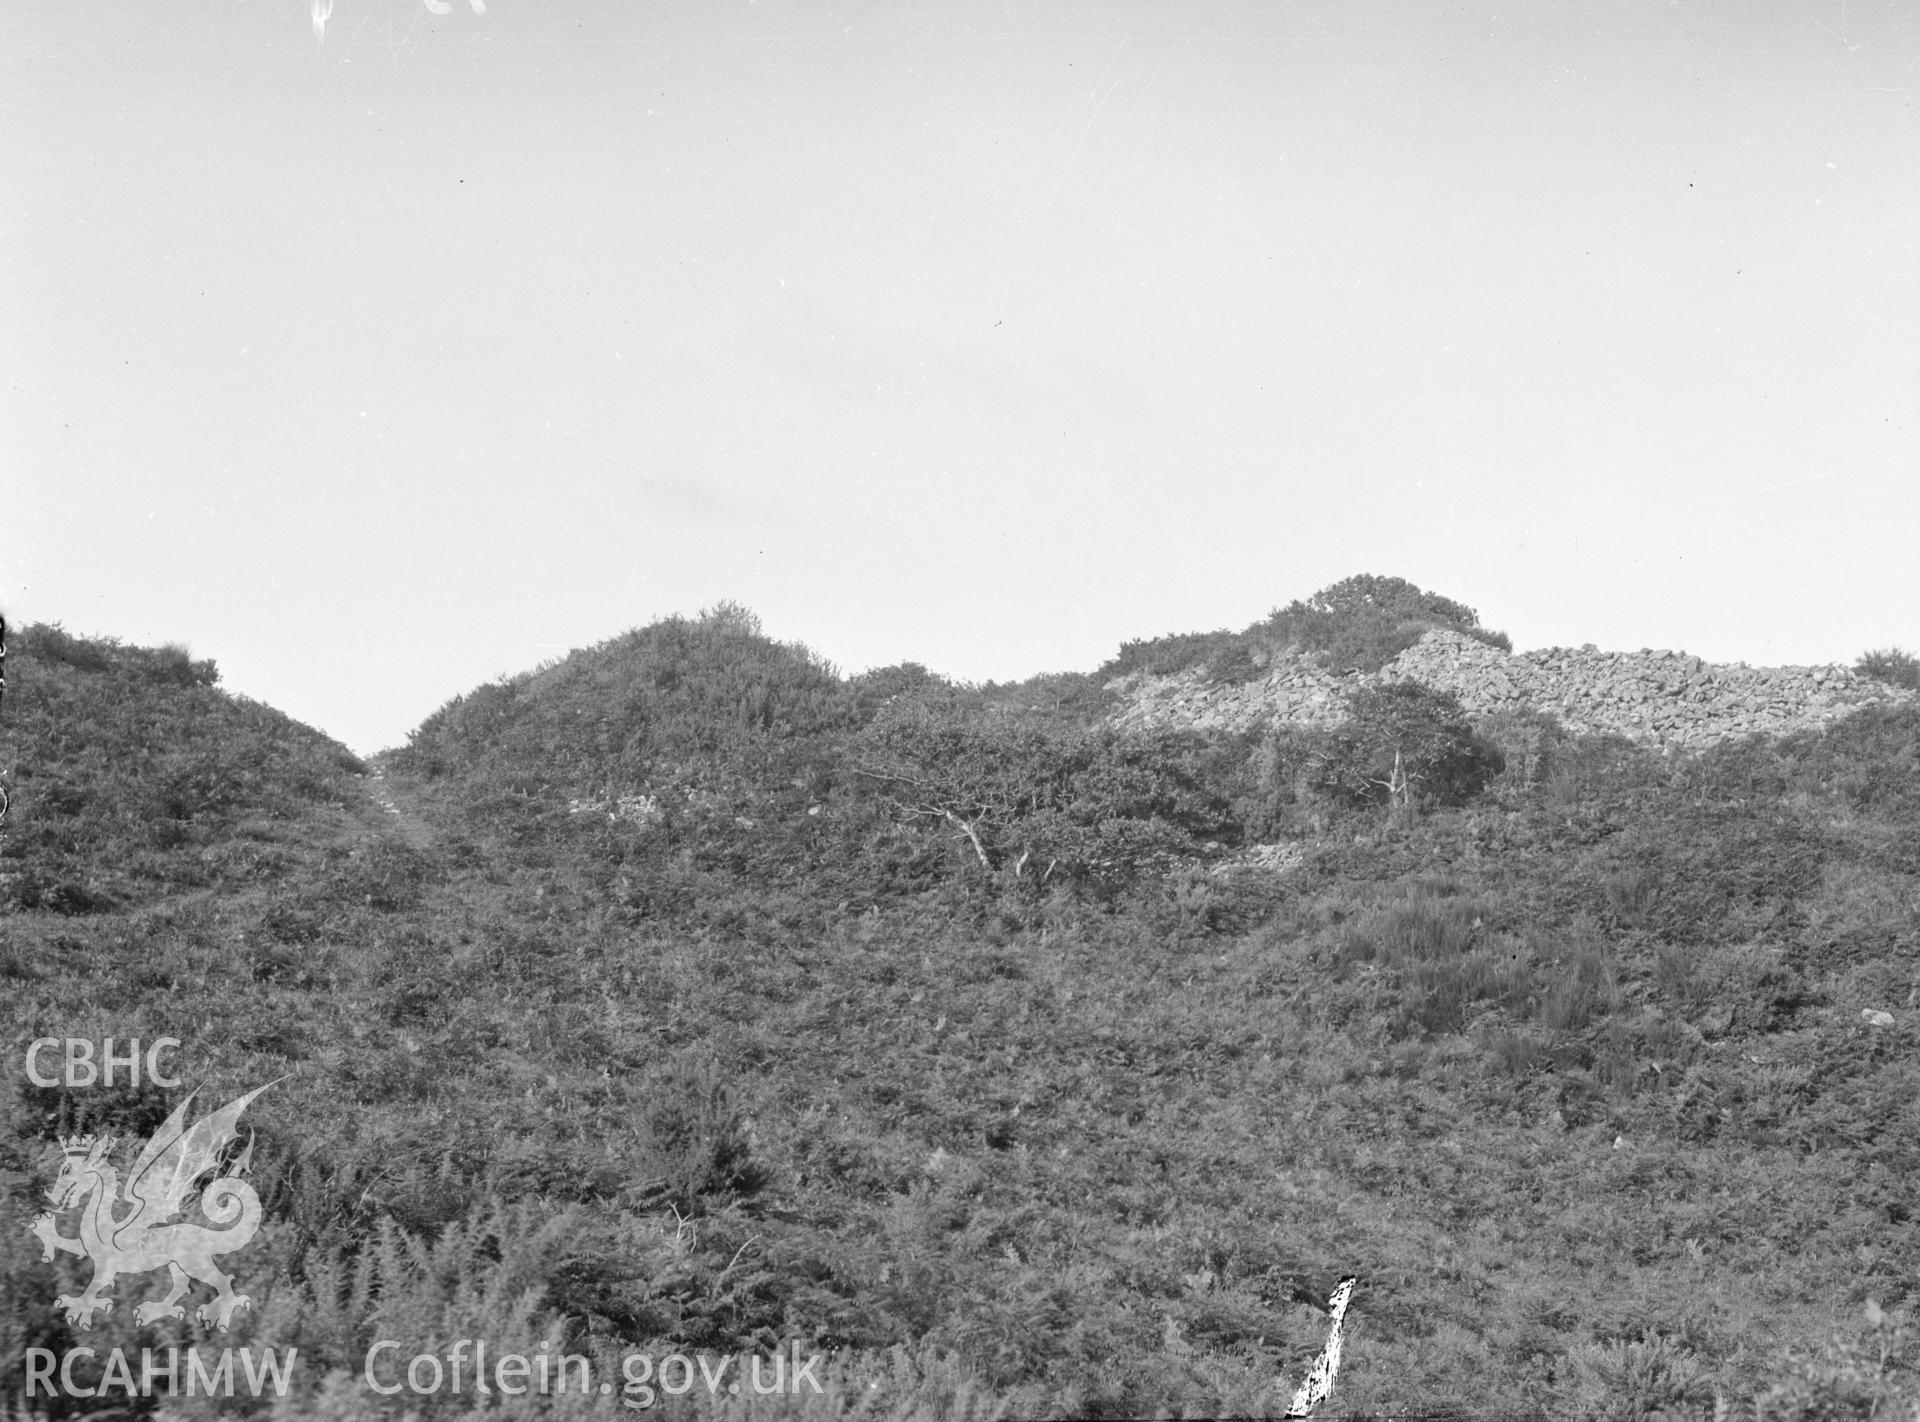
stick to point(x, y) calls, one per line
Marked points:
point(165, 1180)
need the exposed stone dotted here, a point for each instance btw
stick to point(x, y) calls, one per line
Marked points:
point(1668, 698)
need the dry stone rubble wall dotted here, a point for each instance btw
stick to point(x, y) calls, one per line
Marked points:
point(1667, 698)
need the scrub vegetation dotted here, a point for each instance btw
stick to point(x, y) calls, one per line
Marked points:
point(695, 997)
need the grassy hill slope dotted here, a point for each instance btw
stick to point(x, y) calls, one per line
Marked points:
point(698, 997)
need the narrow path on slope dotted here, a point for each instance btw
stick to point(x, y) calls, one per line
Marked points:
point(406, 822)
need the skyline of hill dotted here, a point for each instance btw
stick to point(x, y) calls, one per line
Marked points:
point(1222, 655)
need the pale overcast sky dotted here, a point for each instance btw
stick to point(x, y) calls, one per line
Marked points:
point(981, 335)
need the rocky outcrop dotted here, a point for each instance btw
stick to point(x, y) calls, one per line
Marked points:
point(1667, 698)
point(1295, 690)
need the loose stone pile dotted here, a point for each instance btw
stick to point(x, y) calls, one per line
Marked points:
point(1668, 698)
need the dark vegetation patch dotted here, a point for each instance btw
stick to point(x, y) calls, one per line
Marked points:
point(1893, 665)
point(1358, 624)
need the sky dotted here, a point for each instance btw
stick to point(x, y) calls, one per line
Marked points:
point(381, 358)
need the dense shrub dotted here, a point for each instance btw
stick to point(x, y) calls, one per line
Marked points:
point(1364, 622)
point(873, 689)
point(170, 665)
point(1360, 623)
point(1225, 656)
point(707, 701)
point(1395, 597)
point(695, 1138)
point(1404, 744)
point(50, 642)
point(1531, 743)
point(1081, 801)
point(1893, 665)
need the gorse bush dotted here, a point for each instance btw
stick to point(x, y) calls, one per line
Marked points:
point(1364, 622)
point(643, 706)
point(1226, 656)
point(1396, 597)
point(1403, 744)
point(52, 643)
point(1026, 793)
point(1652, 1376)
point(1531, 744)
point(1360, 624)
point(696, 1138)
point(1893, 665)
point(171, 665)
point(874, 689)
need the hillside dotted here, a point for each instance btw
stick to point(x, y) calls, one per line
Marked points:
point(1037, 1050)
